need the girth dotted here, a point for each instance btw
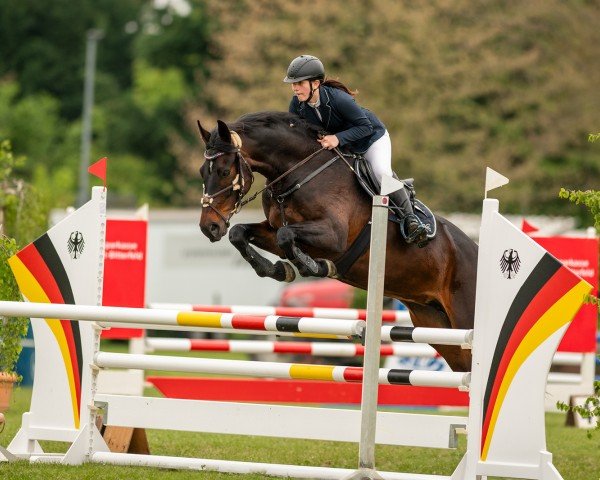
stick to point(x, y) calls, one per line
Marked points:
point(358, 248)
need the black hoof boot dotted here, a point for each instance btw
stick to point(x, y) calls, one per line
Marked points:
point(308, 262)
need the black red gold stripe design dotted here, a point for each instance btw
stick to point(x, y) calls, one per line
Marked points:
point(547, 301)
point(41, 276)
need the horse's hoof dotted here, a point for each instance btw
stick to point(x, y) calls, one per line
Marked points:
point(285, 272)
point(290, 274)
point(331, 269)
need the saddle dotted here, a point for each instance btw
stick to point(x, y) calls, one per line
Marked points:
point(370, 184)
point(367, 180)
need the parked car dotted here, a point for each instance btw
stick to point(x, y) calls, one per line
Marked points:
point(325, 293)
point(329, 293)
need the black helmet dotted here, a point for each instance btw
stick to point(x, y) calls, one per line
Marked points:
point(304, 67)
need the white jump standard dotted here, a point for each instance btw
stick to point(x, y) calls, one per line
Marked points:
point(519, 322)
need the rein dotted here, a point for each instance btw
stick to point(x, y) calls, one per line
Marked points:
point(238, 183)
point(282, 176)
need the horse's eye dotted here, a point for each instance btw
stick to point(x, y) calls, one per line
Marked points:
point(223, 172)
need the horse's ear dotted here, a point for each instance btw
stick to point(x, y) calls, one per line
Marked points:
point(224, 132)
point(203, 133)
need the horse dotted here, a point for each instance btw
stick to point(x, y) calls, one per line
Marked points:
point(315, 211)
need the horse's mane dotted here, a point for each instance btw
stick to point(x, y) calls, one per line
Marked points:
point(284, 121)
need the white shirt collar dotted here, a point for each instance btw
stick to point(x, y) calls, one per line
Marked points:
point(316, 104)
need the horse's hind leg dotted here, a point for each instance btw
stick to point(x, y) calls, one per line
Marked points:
point(263, 236)
point(430, 316)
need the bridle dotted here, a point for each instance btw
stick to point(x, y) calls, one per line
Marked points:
point(239, 183)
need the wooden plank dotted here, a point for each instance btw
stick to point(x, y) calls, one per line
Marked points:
point(126, 439)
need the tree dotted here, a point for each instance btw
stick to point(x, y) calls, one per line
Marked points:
point(39, 133)
point(43, 45)
point(149, 62)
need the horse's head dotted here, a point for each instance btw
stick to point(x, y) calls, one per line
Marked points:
point(227, 178)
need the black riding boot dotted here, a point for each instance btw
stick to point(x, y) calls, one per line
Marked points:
point(414, 229)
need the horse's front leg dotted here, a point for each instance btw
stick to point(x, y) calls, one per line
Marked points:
point(263, 236)
point(321, 235)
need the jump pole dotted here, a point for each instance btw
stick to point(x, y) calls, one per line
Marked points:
point(390, 316)
point(379, 219)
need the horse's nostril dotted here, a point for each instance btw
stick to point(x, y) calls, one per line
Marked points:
point(214, 229)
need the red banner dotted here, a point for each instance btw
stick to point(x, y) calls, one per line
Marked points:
point(581, 256)
point(125, 270)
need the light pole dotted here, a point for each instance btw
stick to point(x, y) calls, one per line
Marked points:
point(93, 36)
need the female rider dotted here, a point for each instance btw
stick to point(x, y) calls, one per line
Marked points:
point(330, 105)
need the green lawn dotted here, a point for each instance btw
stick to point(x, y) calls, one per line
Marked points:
point(576, 457)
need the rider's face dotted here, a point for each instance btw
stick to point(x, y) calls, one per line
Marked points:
point(302, 90)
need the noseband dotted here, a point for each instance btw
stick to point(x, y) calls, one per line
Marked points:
point(237, 185)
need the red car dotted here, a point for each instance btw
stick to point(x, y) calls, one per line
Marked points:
point(326, 293)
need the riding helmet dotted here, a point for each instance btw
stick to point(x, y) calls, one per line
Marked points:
point(304, 67)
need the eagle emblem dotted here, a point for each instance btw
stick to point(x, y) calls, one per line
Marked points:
point(510, 263)
point(75, 244)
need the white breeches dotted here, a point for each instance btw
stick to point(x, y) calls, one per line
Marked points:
point(379, 155)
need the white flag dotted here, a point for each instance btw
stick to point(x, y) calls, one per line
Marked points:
point(390, 185)
point(493, 179)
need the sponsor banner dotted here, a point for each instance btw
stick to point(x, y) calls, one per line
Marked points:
point(580, 255)
point(125, 270)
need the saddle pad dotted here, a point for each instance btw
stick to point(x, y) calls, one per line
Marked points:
point(367, 180)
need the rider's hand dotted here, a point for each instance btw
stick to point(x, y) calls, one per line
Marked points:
point(329, 141)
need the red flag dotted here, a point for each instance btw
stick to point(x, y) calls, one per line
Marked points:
point(528, 228)
point(99, 169)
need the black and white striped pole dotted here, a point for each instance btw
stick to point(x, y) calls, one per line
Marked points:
point(379, 224)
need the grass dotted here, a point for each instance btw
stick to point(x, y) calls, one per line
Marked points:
point(575, 456)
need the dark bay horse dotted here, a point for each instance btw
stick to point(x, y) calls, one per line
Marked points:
point(313, 225)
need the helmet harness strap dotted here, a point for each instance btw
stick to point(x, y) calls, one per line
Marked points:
point(312, 90)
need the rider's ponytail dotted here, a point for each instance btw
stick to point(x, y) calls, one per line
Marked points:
point(329, 82)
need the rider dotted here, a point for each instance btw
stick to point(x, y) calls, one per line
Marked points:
point(331, 105)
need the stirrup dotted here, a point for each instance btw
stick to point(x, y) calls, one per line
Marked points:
point(419, 233)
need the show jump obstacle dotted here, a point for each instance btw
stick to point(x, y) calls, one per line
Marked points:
point(523, 307)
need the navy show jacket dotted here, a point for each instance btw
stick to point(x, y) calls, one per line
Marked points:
point(357, 128)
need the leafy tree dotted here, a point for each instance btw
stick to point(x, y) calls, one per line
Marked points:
point(181, 40)
point(149, 63)
point(40, 133)
point(43, 45)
